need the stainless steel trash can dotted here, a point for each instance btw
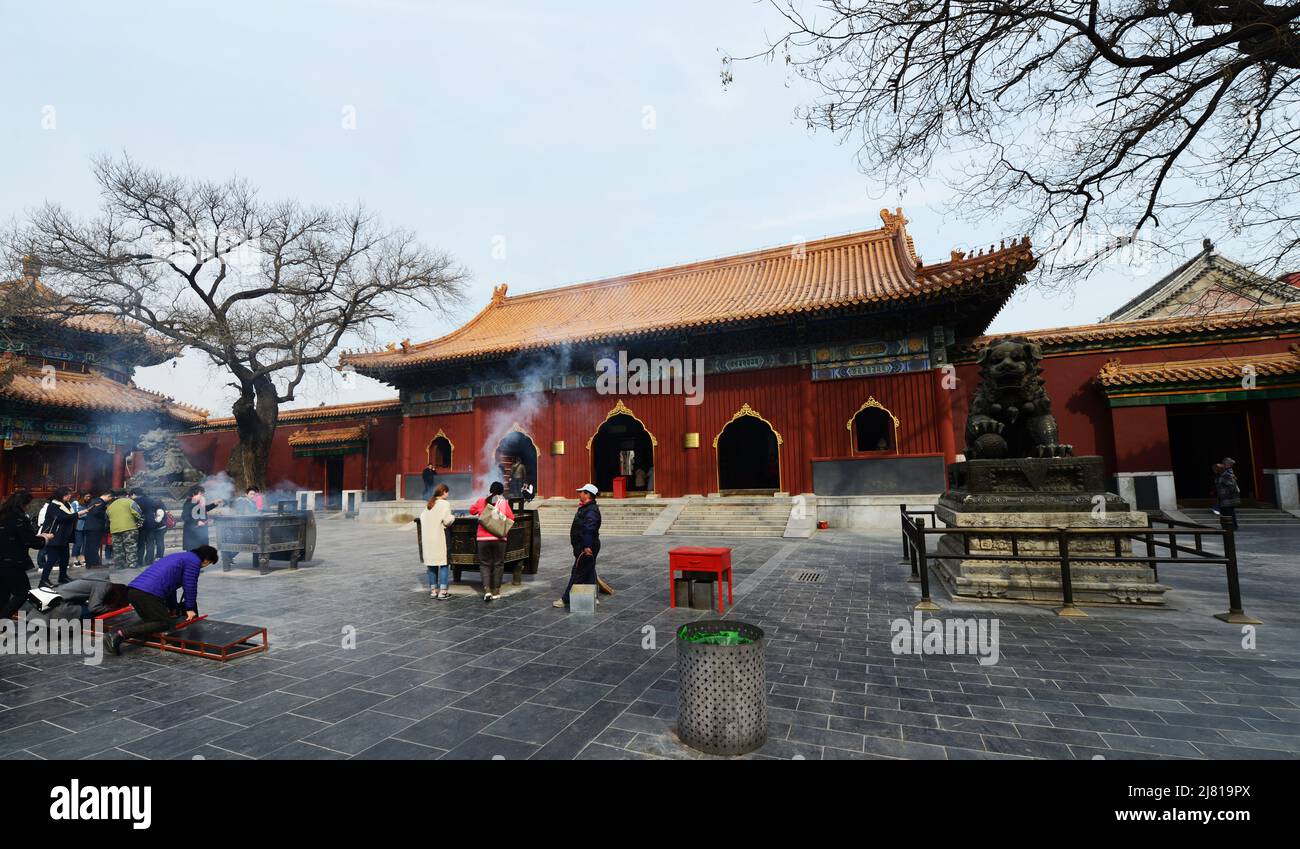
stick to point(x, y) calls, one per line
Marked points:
point(722, 687)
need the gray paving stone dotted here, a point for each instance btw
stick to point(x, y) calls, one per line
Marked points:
point(1124, 683)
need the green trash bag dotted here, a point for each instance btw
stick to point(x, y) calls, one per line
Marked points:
point(719, 638)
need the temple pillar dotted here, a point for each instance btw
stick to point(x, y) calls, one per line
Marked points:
point(943, 416)
point(119, 467)
point(692, 457)
point(804, 481)
point(475, 473)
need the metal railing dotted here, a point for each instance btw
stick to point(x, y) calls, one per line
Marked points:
point(1171, 538)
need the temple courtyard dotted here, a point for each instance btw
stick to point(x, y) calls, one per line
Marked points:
point(363, 664)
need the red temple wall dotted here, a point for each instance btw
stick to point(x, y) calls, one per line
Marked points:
point(210, 452)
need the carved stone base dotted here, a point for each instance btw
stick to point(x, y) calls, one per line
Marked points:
point(1092, 581)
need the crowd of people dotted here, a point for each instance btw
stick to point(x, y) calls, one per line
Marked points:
point(116, 528)
point(495, 518)
point(135, 522)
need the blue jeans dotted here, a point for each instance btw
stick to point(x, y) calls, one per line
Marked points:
point(78, 540)
point(438, 576)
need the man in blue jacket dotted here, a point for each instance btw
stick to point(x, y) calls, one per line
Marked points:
point(153, 593)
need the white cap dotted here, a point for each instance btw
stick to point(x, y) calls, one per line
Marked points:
point(589, 487)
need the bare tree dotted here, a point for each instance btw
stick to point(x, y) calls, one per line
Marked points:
point(1088, 119)
point(265, 290)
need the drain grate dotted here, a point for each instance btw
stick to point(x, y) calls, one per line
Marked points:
point(808, 577)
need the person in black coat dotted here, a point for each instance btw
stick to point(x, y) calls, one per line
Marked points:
point(584, 536)
point(17, 537)
point(96, 525)
point(150, 547)
point(60, 523)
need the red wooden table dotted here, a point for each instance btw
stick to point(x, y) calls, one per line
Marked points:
point(690, 558)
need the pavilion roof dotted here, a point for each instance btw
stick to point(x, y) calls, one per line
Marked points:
point(20, 383)
point(321, 413)
point(1134, 333)
point(875, 267)
point(332, 436)
point(1115, 374)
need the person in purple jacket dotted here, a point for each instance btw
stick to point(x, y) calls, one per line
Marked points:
point(153, 593)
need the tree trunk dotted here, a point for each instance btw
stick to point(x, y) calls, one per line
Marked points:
point(256, 413)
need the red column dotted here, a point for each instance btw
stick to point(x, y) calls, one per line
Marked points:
point(943, 415)
point(803, 482)
point(404, 452)
point(6, 460)
point(557, 485)
point(478, 445)
point(691, 457)
point(119, 467)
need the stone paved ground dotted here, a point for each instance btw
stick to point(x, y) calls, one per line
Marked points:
point(518, 679)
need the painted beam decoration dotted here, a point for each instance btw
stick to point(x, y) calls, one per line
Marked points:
point(17, 432)
point(867, 359)
point(909, 353)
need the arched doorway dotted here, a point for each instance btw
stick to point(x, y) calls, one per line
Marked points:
point(749, 454)
point(622, 446)
point(516, 448)
point(440, 451)
point(873, 429)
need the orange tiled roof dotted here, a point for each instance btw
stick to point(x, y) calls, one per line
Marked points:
point(330, 411)
point(1116, 374)
point(86, 391)
point(36, 301)
point(1261, 317)
point(877, 266)
point(333, 436)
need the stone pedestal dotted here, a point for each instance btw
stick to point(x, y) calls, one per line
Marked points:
point(1063, 492)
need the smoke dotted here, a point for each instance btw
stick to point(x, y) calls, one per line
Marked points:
point(218, 487)
point(534, 373)
point(282, 491)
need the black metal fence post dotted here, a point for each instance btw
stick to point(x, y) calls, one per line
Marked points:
point(923, 568)
point(1151, 549)
point(1236, 615)
point(1067, 607)
point(902, 512)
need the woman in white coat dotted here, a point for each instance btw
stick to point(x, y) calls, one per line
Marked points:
point(434, 521)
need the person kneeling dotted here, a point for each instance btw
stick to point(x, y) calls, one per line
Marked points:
point(153, 592)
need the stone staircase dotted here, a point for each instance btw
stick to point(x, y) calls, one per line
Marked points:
point(624, 517)
point(1247, 517)
point(733, 517)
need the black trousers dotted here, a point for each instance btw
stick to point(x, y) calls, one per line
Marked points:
point(584, 572)
point(150, 547)
point(155, 614)
point(55, 555)
point(92, 547)
point(14, 586)
point(491, 563)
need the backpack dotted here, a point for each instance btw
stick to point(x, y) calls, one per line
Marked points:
point(169, 521)
point(494, 520)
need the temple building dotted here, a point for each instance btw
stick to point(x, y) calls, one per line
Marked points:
point(821, 372)
point(69, 411)
point(840, 368)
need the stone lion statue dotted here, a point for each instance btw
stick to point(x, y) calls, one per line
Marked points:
point(1010, 415)
point(166, 465)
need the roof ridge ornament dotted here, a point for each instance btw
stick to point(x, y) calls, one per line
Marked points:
point(498, 294)
point(893, 221)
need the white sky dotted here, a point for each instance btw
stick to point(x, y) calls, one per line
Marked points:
point(520, 122)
